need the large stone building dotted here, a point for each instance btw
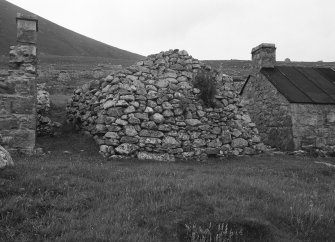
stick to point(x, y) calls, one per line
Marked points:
point(293, 107)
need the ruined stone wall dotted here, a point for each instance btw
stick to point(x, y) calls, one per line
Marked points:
point(18, 91)
point(313, 126)
point(63, 81)
point(270, 111)
point(152, 110)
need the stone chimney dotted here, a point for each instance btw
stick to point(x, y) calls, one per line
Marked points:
point(263, 55)
point(18, 92)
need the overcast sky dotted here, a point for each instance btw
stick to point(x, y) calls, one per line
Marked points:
point(208, 29)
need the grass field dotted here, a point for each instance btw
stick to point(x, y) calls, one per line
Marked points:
point(73, 194)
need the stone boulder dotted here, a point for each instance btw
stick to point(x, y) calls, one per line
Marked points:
point(5, 158)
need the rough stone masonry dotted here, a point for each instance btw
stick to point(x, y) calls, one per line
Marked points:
point(18, 90)
point(152, 110)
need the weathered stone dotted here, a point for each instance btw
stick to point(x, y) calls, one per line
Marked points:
point(121, 103)
point(246, 118)
point(236, 133)
point(255, 139)
point(216, 130)
point(167, 105)
point(148, 110)
point(100, 128)
point(155, 156)
point(121, 122)
point(149, 125)
point(112, 135)
point(108, 104)
point(130, 130)
point(261, 147)
point(168, 113)
point(226, 138)
point(164, 127)
point(199, 143)
point(5, 158)
point(113, 128)
point(128, 139)
point(193, 122)
point(104, 148)
point(130, 109)
point(115, 112)
point(133, 120)
point(158, 118)
point(162, 83)
point(151, 103)
point(170, 142)
point(215, 143)
point(142, 116)
point(152, 95)
point(126, 149)
point(152, 141)
point(151, 133)
point(239, 143)
point(248, 151)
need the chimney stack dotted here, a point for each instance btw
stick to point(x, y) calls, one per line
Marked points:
point(263, 55)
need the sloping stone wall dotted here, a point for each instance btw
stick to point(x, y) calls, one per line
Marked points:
point(270, 111)
point(152, 110)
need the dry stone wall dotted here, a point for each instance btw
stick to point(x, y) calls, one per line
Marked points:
point(152, 110)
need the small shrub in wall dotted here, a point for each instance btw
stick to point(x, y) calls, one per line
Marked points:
point(205, 82)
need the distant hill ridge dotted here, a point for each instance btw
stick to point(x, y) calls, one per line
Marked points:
point(54, 39)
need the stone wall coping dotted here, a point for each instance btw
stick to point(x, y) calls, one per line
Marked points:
point(31, 17)
point(263, 45)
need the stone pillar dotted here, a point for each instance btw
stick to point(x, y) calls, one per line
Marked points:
point(18, 91)
point(263, 55)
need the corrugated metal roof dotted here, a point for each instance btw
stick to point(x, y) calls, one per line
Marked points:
point(303, 84)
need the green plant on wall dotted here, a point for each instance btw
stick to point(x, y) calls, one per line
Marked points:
point(205, 82)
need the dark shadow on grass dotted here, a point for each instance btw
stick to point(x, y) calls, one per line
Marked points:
point(69, 141)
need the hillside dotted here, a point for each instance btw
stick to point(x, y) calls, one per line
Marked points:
point(54, 39)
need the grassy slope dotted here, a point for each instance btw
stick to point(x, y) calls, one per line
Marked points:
point(79, 196)
point(54, 39)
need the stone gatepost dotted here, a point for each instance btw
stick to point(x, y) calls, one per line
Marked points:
point(18, 92)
